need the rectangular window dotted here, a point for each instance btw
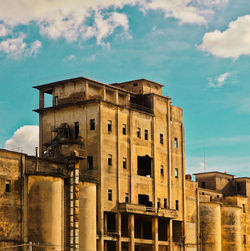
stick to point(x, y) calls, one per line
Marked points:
point(92, 124)
point(138, 132)
point(135, 84)
point(56, 100)
point(7, 186)
point(124, 163)
point(124, 131)
point(244, 239)
point(158, 203)
point(177, 205)
point(203, 184)
point(126, 197)
point(109, 126)
point(76, 130)
point(162, 170)
point(176, 173)
point(110, 160)
point(175, 142)
point(110, 194)
point(165, 203)
point(243, 208)
point(90, 162)
point(146, 134)
point(161, 138)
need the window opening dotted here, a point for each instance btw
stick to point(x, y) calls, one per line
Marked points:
point(138, 132)
point(110, 160)
point(124, 131)
point(110, 194)
point(7, 186)
point(92, 124)
point(124, 225)
point(161, 138)
point(177, 205)
point(238, 187)
point(176, 173)
point(126, 197)
point(243, 208)
point(90, 162)
point(109, 126)
point(111, 222)
point(144, 166)
point(146, 134)
point(135, 84)
point(165, 203)
point(203, 184)
point(143, 199)
point(124, 163)
point(175, 142)
point(162, 229)
point(56, 100)
point(76, 130)
point(158, 203)
point(244, 239)
point(162, 170)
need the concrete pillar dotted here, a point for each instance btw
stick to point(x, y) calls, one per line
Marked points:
point(41, 99)
point(131, 226)
point(86, 90)
point(104, 93)
point(170, 234)
point(119, 222)
point(116, 97)
point(155, 233)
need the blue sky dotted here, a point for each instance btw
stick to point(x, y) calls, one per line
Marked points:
point(199, 49)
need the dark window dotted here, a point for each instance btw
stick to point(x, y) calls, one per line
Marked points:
point(138, 132)
point(203, 184)
point(165, 203)
point(7, 186)
point(56, 100)
point(243, 208)
point(162, 170)
point(135, 84)
point(238, 187)
point(218, 196)
point(109, 126)
point(90, 162)
point(203, 193)
point(161, 138)
point(244, 239)
point(175, 142)
point(76, 130)
point(146, 134)
point(126, 197)
point(111, 222)
point(124, 163)
point(144, 165)
point(92, 124)
point(211, 198)
point(158, 203)
point(176, 173)
point(110, 194)
point(143, 199)
point(124, 131)
point(110, 160)
point(177, 205)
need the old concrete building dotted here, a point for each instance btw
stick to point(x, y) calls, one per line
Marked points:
point(111, 176)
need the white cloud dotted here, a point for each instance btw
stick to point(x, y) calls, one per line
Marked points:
point(15, 47)
point(231, 43)
point(219, 81)
point(213, 2)
point(71, 57)
point(4, 31)
point(25, 139)
point(182, 10)
point(104, 27)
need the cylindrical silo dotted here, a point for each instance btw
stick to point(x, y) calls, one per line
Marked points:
point(46, 211)
point(87, 217)
point(210, 226)
point(231, 228)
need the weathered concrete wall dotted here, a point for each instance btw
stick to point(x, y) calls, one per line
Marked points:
point(210, 226)
point(87, 217)
point(46, 210)
point(231, 228)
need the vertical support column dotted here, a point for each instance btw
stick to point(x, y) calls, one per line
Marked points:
point(153, 147)
point(86, 90)
point(169, 156)
point(119, 223)
point(132, 232)
point(41, 99)
point(131, 148)
point(104, 93)
point(117, 156)
point(116, 97)
point(170, 235)
point(155, 233)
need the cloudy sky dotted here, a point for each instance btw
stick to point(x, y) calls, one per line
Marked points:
point(199, 49)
